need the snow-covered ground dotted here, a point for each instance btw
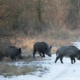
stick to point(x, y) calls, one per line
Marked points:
point(58, 71)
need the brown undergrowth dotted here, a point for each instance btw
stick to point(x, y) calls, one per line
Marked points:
point(8, 67)
point(55, 37)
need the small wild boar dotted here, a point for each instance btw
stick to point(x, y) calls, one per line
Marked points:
point(13, 52)
point(42, 48)
point(68, 51)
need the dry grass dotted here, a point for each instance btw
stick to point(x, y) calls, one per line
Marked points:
point(10, 70)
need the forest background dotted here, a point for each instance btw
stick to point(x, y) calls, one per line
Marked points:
point(24, 22)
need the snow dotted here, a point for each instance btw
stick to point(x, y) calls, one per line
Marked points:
point(58, 71)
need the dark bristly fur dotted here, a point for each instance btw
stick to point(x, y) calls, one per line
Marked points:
point(13, 52)
point(68, 51)
point(42, 48)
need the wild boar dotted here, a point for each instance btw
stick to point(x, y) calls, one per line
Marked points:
point(68, 51)
point(42, 48)
point(13, 52)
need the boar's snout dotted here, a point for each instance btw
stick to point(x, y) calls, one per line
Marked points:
point(49, 55)
point(20, 57)
point(78, 57)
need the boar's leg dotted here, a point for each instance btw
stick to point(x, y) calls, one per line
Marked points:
point(43, 54)
point(61, 59)
point(40, 54)
point(34, 53)
point(72, 58)
point(57, 58)
point(12, 57)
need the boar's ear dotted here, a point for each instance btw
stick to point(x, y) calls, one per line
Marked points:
point(19, 49)
point(50, 47)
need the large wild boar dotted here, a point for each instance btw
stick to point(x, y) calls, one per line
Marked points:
point(42, 48)
point(13, 52)
point(68, 51)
